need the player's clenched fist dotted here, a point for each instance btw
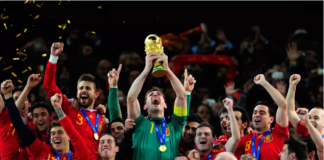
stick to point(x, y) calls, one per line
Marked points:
point(57, 48)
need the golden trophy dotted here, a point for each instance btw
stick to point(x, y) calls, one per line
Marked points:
point(153, 43)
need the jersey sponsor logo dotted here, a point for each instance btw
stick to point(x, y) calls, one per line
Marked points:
point(80, 119)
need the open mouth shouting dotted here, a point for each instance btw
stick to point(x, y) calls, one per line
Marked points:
point(257, 120)
point(155, 101)
point(41, 123)
point(84, 98)
point(57, 142)
point(105, 149)
point(203, 141)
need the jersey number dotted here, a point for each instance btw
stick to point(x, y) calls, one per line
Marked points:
point(80, 121)
point(247, 145)
point(11, 130)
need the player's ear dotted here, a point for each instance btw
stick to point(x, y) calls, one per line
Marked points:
point(312, 154)
point(271, 119)
point(145, 107)
point(165, 106)
point(292, 156)
point(117, 149)
point(97, 94)
point(245, 125)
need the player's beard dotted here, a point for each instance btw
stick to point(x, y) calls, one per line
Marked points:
point(86, 105)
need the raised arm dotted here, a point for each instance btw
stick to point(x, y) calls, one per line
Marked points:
point(181, 97)
point(188, 84)
point(234, 140)
point(292, 115)
point(33, 80)
point(76, 139)
point(25, 134)
point(133, 106)
point(2, 105)
point(281, 117)
point(313, 132)
point(113, 106)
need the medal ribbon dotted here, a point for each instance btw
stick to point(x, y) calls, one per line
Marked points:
point(161, 137)
point(209, 156)
point(95, 129)
point(256, 155)
point(58, 157)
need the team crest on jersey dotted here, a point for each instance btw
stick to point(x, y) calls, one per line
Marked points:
point(100, 128)
point(268, 138)
point(167, 132)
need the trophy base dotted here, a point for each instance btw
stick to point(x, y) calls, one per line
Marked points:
point(160, 72)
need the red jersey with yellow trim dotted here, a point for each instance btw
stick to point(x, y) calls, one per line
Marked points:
point(9, 139)
point(301, 129)
point(79, 121)
point(43, 151)
point(271, 146)
point(215, 152)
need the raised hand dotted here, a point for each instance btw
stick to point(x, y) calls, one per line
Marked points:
point(129, 124)
point(260, 80)
point(113, 76)
point(57, 48)
point(302, 114)
point(228, 103)
point(292, 52)
point(102, 109)
point(56, 101)
point(163, 58)
point(189, 82)
point(74, 103)
point(294, 79)
point(249, 130)
point(7, 87)
point(194, 155)
point(229, 89)
point(33, 81)
point(181, 158)
point(105, 120)
point(150, 57)
point(281, 87)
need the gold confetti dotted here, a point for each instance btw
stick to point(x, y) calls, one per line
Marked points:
point(25, 30)
point(64, 27)
point(20, 53)
point(1, 16)
point(13, 74)
point(24, 59)
point(6, 17)
point(15, 59)
point(26, 1)
point(99, 7)
point(11, 25)
point(0, 58)
point(33, 1)
point(7, 68)
point(59, 26)
point(19, 81)
point(38, 74)
point(60, 37)
point(93, 32)
point(29, 68)
point(5, 26)
point(59, 3)
point(44, 55)
point(68, 21)
point(36, 17)
point(26, 70)
point(18, 35)
point(17, 49)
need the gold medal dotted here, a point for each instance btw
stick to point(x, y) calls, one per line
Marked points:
point(96, 137)
point(163, 148)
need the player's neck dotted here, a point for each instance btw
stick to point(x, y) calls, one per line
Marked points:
point(205, 152)
point(159, 114)
point(242, 133)
point(108, 158)
point(64, 151)
point(262, 130)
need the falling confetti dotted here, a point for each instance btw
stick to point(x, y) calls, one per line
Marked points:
point(36, 17)
point(68, 21)
point(19, 81)
point(1, 16)
point(59, 26)
point(59, 3)
point(6, 17)
point(20, 53)
point(30, 68)
point(26, 70)
point(26, 1)
point(15, 59)
point(0, 58)
point(33, 1)
point(24, 59)
point(44, 55)
point(99, 7)
point(13, 74)
point(5, 26)
point(17, 49)
point(39, 6)
point(93, 32)
point(60, 37)
point(64, 27)
point(18, 35)
point(25, 30)
point(7, 68)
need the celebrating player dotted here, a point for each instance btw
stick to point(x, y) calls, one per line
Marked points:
point(266, 143)
point(85, 120)
point(146, 144)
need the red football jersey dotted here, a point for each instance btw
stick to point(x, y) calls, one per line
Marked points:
point(301, 129)
point(222, 139)
point(43, 151)
point(9, 139)
point(82, 152)
point(271, 146)
point(214, 154)
point(79, 121)
point(184, 148)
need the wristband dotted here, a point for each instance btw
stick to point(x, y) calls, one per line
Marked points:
point(53, 59)
point(188, 93)
point(293, 64)
point(113, 87)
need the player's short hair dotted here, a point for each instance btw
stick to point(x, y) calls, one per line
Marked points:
point(153, 89)
point(90, 78)
point(20, 89)
point(245, 117)
point(43, 105)
point(222, 111)
point(54, 124)
point(309, 143)
point(194, 118)
point(297, 147)
point(105, 134)
point(204, 124)
point(270, 107)
point(118, 119)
